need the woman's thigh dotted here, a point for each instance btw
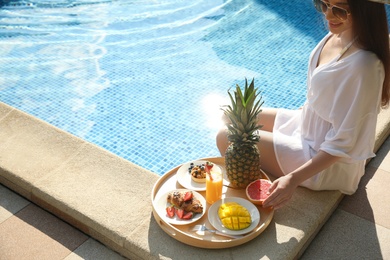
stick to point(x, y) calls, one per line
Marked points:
point(267, 118)
point(266, 148)
point(268, 159)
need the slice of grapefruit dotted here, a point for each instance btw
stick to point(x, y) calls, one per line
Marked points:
point(257, 191)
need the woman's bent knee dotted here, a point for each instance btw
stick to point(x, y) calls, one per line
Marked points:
point(222, 141)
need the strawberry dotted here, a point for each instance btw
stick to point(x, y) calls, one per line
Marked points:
point(188, 215)
point(208, 166)
point(188, 196)
point(170, 211)
point(180, 213)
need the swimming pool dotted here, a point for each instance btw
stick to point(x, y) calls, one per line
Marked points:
point(144, 79)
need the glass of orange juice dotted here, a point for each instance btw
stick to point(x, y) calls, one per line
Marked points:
point(213, 186)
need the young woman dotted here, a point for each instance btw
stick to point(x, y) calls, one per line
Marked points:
point(324, 145)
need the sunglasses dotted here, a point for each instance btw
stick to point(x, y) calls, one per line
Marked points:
point(338, 12)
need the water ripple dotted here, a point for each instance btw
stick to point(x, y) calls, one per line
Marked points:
point(140, 21)
point(134, 75)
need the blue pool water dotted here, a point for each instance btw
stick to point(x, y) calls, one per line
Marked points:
point(144, 78)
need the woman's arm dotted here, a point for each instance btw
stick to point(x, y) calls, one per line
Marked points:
point(283, 188)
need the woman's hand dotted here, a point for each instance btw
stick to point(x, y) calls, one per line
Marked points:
point(283, 188)
point(281, 192)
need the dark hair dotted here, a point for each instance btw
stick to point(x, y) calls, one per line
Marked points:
point(370, 26)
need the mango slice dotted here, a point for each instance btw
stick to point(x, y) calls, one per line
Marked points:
point(234, 216)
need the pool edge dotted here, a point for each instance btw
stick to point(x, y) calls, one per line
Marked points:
point(62, 161)
point(56, 174)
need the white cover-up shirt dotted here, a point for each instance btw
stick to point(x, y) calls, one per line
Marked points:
point(338, 117)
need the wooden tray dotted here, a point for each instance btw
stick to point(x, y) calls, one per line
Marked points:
point(183, 233)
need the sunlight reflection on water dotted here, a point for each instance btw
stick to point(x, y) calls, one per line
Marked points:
point(144, 79)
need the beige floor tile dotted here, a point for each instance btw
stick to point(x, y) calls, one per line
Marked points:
point(372, 199)
point(33, 233)
point(91, 249)
point(382, 158)
point(346, 236)
point(10, 203)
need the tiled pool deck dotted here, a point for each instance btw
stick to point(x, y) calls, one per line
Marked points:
point(358, 228)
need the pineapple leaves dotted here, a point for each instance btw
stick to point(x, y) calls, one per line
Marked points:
point(250, 94)
point(244, 117)
point(232, 101)
point(242, 113)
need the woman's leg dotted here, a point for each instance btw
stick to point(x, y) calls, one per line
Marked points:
point(266, 144)
point(266, 148)
point(222, 141)
point(267, 119)
point(268, 159)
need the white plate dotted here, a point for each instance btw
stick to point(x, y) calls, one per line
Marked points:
point(185, 180)
point(217, 224)
point(160, 204)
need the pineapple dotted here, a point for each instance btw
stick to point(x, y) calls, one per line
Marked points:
point(242, 157)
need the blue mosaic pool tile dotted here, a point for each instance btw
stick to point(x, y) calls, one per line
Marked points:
point(141, 79)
